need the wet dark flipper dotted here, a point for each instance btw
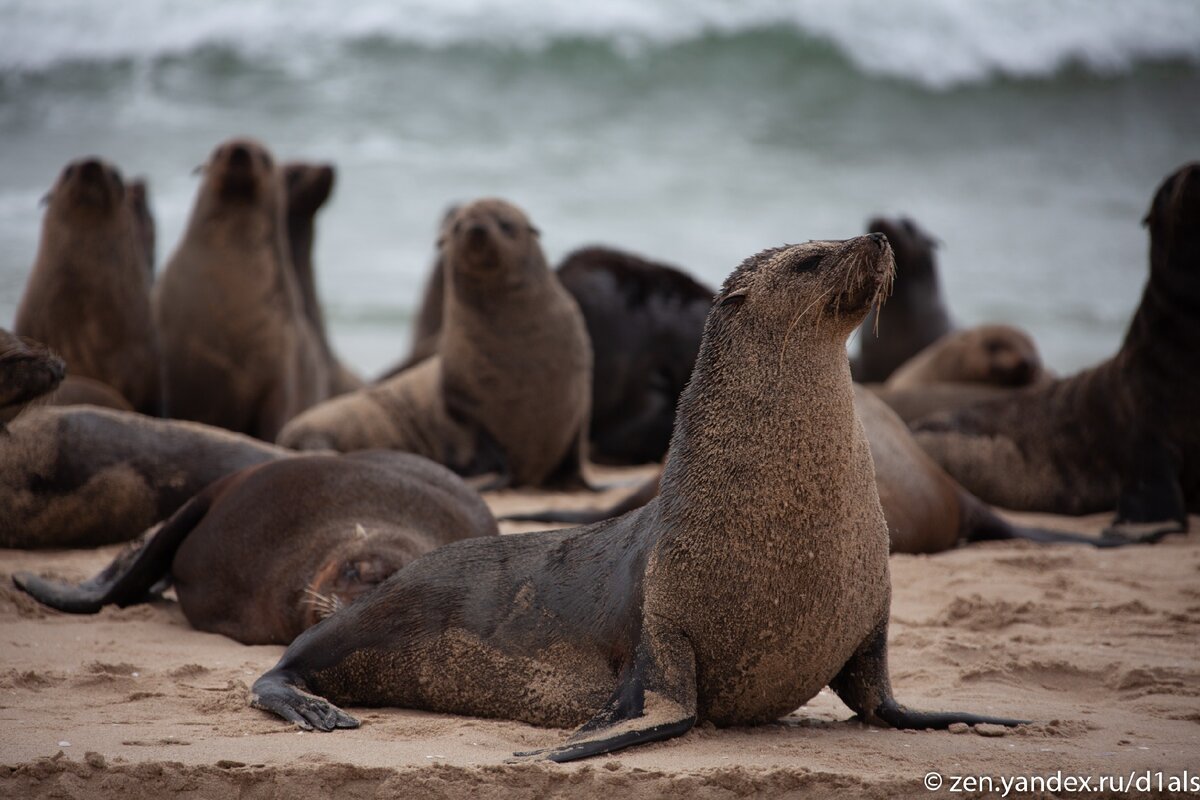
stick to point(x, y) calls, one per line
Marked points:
point(985, 525)
point(655, 700)
point(280, 693)
point(863, 685)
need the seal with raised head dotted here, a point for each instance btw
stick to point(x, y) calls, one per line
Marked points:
point(240, 351)
point(269, 551)
point(81, 477)
point(28, 370)
point(1122, 434)
point(509, 389)
point(308, 189)
point(645, 320)
point(757, 576)
point(916, 315)
point(88, 296)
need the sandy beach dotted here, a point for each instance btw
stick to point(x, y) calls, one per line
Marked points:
point(1098, 647)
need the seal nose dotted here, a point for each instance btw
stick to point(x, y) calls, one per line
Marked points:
point(476, 234)
point(879, 239)
point(239, 156)
point(91, 170)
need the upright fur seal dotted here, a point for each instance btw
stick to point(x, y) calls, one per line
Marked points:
point(308, 189)
point(82, 476)
point(269, 551)
point(645, 320)
point(240, 352)
point(509, 389)
point(758, 576)
point(28, 370)
point(916, 316)
point(1120, 435)
point(88, 296)
point(137, 196)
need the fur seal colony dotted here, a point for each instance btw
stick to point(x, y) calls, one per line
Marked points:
point(88, 294)
point(267, 552)
point(82, 476)
point(1120, 435)
point(756, 577)
point(509, 389)
point(240, 352)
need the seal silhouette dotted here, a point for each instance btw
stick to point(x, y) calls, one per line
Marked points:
point(509, 389)
point(1122, 434)
point(266, 552)
point(88, 296)
point(756, 577)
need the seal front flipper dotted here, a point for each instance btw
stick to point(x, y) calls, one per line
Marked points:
point(280, 693)
point(863, 684)
point(1151, 504)
point(655, 700)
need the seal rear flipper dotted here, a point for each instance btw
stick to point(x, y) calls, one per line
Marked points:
point(134, 575)
point(281, 693)
point(655, 700)
point(863, 684)
point(982, 524)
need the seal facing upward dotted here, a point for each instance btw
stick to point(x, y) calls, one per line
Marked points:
point(756, 577)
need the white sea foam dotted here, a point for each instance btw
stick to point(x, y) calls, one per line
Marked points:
point(936, 43)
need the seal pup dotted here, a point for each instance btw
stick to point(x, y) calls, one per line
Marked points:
point(1000, 355)
point(28, 370)
point(240, 352)
point(1122, 434)
point(756, 577)
point(308, 189)
point(508, 391)
point(645, 320)
point(80, 476)
point(916, 315)
point(269, 551)
point(88, 296)
point(926, 510)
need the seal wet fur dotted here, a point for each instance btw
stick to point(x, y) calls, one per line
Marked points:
point(758, 576)
point(268, 551)
point(1122, 434)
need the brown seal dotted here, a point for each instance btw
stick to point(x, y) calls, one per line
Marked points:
point(88, 296)
point(926, 510)
point(1120, 435)
point(757, 576)
point(509, 389)
point(267, 552)
point(79, 391)
point(82, 476)
point(915, 315)
point(137, 197)
point(240, 352)
point(1000, 355)
point(28, 370)
point(308, 189)
point(912, 404)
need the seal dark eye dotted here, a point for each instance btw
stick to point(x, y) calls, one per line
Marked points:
point(508, 228)
point(807, 264)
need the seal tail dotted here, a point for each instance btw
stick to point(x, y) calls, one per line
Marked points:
point(982, 524)
point(132, 576)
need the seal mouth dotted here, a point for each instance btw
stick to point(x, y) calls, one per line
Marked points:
point(93, 183)
point(477, 245)
point(868, 277)
point(237, 168)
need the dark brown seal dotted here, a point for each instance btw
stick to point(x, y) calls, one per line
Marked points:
point(1120, 435)
point(28, 370)
point(308, 189)
point(240, 352)
point(267, 552)
point(915, 315)
point(82, 476)
point(509, 389)
point(757, 576)
point(88, 296)
point(926, 510)
point(645, 320)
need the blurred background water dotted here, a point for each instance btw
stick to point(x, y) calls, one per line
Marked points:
point(1028, 135)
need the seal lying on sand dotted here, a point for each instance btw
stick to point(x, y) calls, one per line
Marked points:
point(1120, 435)
point(926, 510)
point(269, 551)
point(1000, 355)
point(509, 389)
point(81, 476)
point(28, 370)
point(915, 317)
point(757, 576)
point(239, 350)
point(88, 296)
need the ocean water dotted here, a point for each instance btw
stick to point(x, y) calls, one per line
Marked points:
point(1028, 135)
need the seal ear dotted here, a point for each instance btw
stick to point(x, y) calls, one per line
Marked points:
point(46, 198)
point(732, 301)
point(534, 230)
point(199, 169)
